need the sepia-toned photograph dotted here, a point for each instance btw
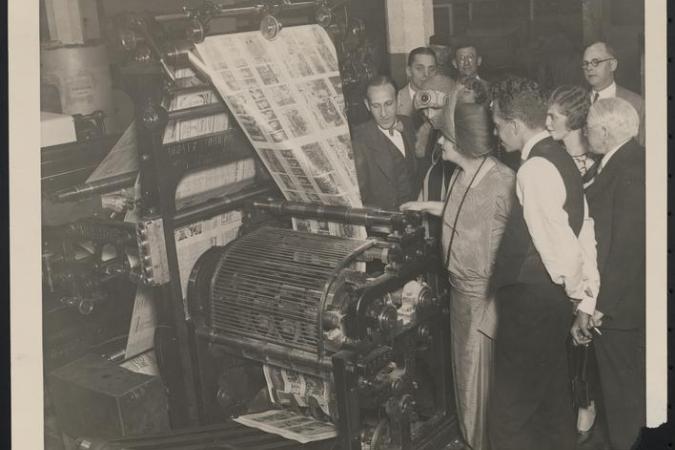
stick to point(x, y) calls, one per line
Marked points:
point(338, 225)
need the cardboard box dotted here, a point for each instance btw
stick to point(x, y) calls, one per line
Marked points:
point(96, 397)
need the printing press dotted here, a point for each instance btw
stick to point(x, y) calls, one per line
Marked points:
point(349, 330)
point(297, 303)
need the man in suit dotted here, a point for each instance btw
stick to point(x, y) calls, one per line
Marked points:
point(422, 65)
point(545, 267)
point(467, 61)
point(617, 204)
point(599, 65)
point(384, 150)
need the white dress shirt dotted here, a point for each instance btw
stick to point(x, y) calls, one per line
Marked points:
point(411, 91)
point(570, 261)
point(608, 92)
point(396, 138)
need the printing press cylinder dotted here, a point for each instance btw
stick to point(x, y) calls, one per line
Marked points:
point(282, 293)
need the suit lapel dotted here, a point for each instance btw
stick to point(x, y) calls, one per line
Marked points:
point(606, 175)
point(409, 145)
point(600, 196)
point(382, 148)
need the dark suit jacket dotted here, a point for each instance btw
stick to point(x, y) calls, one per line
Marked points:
point(386, 179)
point(635, 100)
point(616, 201)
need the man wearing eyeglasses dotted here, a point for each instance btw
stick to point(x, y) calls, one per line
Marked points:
point(599, 65)
point(467, 61)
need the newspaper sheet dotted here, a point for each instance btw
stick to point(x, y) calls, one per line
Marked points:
point(143, 323)
point(145, 363)
point(202, 185)
point(194, 239)
point(123, 157)
point(178, 130)
point(287, 387)
point(287, 96)
point(289, 425)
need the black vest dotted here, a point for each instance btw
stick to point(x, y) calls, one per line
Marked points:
point(517, 260)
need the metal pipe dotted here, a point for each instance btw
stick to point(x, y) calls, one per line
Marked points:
point(209, 209)
point(175, 90)
point(344, 214)
point(269, 352)
point(197, 111)
point(185, 15)
point(84, 190)
point(221, 11)
point(236, 11)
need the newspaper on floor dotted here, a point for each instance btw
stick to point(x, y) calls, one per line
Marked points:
point(287, 96)
point(290, 425)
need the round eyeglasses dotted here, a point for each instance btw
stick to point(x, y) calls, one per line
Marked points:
point(595, 62)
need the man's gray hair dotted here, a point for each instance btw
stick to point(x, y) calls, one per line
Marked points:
point(617, 116)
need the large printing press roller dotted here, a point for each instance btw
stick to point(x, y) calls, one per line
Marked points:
point(302, 306)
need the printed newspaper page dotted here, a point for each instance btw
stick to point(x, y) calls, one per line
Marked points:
point(194, 239)
point(286, 387)
point(290, 425)
point(287, 96)
point(179, 130)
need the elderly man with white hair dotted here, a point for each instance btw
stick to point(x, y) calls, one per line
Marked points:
point(617, 204)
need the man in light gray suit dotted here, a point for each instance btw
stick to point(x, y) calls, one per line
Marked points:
point(422, 65)
point(599, 65)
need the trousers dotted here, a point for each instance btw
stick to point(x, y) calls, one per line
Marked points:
point(531, 403)
point(620, 356)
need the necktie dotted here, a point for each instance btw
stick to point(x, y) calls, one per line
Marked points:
point(595, 97)
point(592, 173)
point(398, 126)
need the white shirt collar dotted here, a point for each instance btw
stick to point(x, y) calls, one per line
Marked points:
point(525, 152)
point(607, 156)
point(608, 92)
point(396, 139)
point(386, 130)
point(411, 90)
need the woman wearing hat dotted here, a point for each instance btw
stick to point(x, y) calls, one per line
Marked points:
point(474, 213)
